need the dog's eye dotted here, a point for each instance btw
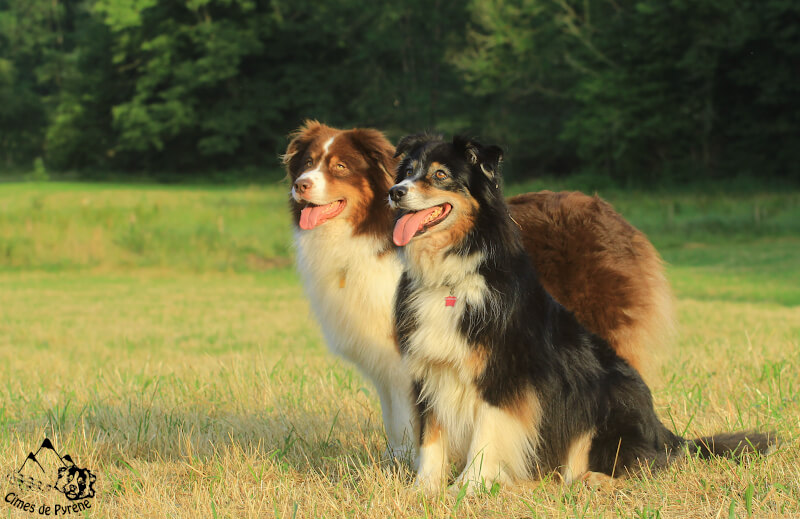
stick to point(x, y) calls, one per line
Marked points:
point(440, 174)
point(340, 166)
point(409, 171)
point(309, 162)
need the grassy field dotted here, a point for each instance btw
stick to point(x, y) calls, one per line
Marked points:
point(159, 335)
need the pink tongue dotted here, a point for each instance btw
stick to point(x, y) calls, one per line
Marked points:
point(408, 225)
point(313, 215)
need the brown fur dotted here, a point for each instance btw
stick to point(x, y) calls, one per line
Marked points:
point(457, 230)
point(599, 266)
point(476, 362)
point(526, 408)
point(454, 229)
point(588, 257)
point(432, 431)
point(370, 164)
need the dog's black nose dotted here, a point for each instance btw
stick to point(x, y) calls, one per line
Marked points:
point(398, 192)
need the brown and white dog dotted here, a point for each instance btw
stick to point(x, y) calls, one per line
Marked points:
point(589, 258)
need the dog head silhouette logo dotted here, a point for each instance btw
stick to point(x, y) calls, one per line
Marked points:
point(46, 470)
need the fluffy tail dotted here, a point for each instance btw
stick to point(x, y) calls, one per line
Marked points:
point(731, 445)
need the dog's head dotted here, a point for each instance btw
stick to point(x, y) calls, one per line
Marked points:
point(441, 186)
point(341, 175)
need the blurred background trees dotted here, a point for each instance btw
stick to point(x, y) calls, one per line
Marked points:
point(640, 92)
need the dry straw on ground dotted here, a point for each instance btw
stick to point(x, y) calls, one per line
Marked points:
point(213, 396)
point(148, 333)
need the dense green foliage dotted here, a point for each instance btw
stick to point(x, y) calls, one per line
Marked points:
point(638, 91)
point(645, 88)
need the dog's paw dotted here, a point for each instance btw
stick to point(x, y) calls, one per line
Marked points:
point(472, 482)
point(430, 486)
point(598, 480)
point(460, 487)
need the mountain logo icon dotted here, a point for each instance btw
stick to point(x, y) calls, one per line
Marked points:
point(46, 470)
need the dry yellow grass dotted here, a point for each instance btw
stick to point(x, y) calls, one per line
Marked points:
point(212, 395)
point(137, 333)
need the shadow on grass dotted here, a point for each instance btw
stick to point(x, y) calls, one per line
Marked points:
point(291, 438)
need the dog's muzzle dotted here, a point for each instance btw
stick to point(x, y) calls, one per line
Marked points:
point(397, 192)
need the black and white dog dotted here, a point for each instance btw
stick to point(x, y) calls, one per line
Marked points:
point(509, 384)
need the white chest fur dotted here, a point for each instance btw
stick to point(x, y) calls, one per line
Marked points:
point(351, 289)
point(439, 355)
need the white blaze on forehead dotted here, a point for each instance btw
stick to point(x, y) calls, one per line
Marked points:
point(316, 176)
point(327, 144)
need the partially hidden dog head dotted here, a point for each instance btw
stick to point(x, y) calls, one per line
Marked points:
point(341, 175)
point(441, 185)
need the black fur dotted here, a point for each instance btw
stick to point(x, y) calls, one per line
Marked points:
point(532, 341)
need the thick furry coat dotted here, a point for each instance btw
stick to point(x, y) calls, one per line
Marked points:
point(510, 384)
point(589, 257)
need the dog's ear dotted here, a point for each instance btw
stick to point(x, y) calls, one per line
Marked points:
point(467, 148)
point(411, 142)
point(301, 140)
point(492, 157)
point(488, 158)
point(378, 150)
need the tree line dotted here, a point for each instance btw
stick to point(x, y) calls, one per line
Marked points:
point(633, 90)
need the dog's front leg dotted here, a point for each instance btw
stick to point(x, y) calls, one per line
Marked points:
point(400, 419)
point(394, 443)
point(434, 463)
point(499, 452)
point(405, 422)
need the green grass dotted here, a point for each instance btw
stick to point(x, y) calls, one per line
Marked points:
point(193, 380)
point(58, 226)
point(711, 215)
point(63, 225)
point(761, 270)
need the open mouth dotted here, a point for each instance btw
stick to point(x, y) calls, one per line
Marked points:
point(416, 223)
point(314, 215)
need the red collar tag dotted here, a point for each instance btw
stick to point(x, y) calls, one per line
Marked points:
point(450, 301)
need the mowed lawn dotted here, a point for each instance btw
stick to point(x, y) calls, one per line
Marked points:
point(160, 336)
